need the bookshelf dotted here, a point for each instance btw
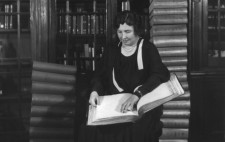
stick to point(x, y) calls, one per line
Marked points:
point(216, 30)
point(15, 65)
point(81, 33)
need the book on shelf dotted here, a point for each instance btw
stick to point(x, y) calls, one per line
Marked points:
point(181, 113)
point(158, 30)
point(108, 112)
point(169, 19)
point(167, 4)
point(170, 133)
point(168, 11)
point(53, 77)
point(176, 105)
point(173, 51)
point(177, 68)
point(169, 41)
point(171, 61)
point(175, 122)
point(46, 99)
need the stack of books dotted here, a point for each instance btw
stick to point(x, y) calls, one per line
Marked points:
point(53, 101)
point(169, 33)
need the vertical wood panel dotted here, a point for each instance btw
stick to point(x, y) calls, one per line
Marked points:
point(39, 29)
point(52, 31)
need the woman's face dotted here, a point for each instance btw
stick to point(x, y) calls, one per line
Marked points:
point(126, 34)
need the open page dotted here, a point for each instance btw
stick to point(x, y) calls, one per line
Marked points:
point(109, 110)
point(160, 95)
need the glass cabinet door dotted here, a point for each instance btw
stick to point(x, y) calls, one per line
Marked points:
point(216, 33)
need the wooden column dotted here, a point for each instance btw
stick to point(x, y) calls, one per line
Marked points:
point(111, 6)
point(42, 29)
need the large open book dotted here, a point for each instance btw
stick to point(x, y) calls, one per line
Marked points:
point(108, 112)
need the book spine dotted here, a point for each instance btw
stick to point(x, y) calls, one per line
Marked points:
point(51, 122)
point(186, 96)
point(176, 113)
point(177, 105)
point(168, 11)
point(53, 100)
point(173, 51)
point(79, 24)
point(170, 61)
point(164, 30)
point(54, 68)
point(177, 68)
point(185, 85)
point(36, 132)
point(52, 111)
point(167, 4)
point(53, 77)
point(169, 41)
point(43, 87)
point(74, 27)
point(175, 123)
point(182, 76)
point(6, 16)
point(174, 133)
point(168, 19)
point(11, 17)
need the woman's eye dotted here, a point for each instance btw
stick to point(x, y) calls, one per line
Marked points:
point(127, 32)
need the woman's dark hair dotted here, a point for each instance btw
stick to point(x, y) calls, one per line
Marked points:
point(131, 19)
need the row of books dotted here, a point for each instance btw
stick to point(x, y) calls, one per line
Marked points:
point(81, 7)
point(214, 4)
point(214, 29)
point(82, 24)
point(6, 21)
point(8, 18)
point(83, 57)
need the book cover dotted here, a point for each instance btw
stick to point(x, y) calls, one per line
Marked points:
point(108, 112)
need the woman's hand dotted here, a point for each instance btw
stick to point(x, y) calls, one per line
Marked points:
point(128, 105)
point(94, 99)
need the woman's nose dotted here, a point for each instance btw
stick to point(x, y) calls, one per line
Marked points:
point(124, 35)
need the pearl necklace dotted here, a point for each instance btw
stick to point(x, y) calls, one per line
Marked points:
point(128, 50)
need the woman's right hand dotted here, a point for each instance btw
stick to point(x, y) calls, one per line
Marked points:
point(94, 99)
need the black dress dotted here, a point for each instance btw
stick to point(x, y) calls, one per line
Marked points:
point(128, 76)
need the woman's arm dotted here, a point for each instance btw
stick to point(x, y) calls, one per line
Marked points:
point(157, 71)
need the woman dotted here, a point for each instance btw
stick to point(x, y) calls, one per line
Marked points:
point(133, 67)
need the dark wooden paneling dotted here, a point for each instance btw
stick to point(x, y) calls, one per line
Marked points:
point(42, 25)
point(207, 121)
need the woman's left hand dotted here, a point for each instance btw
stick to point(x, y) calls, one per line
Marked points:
point(128, 105)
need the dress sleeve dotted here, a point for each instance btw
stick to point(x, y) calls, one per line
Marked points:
point(157, 71)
